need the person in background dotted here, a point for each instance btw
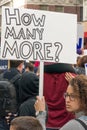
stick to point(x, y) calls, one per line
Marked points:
point(29, 89)
point(77, 60)
point(38, 71)
point(55, 85)
point(36, 65)
point(80, 68)
point(76, 101)
point(29, 67)
point(16, 67)
point(29, 83)
point(25, 123)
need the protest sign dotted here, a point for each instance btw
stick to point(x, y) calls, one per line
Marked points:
point(85, 68)
point(80, 36)
point(38, 35)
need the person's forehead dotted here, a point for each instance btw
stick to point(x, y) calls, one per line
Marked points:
point(12, 128)
point(69, 89)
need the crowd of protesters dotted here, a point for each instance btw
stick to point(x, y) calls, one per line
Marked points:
point(64, 96)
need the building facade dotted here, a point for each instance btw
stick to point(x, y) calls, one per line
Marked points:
point(85, 10)
point(67, 6)
point(4, 3)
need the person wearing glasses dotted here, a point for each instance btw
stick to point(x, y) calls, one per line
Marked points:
point(75, 100)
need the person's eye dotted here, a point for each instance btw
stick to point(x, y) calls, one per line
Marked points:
point(72, 96)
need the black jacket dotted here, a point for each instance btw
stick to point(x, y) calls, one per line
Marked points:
point(29, 86)
point(9, 74)
point(29, 89)
point(27, 107)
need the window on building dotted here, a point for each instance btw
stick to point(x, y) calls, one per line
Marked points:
point(43, 7)
point(0, 20)
point(80, 1)
point(81, 13)
point(59, 8)
point(86, 13)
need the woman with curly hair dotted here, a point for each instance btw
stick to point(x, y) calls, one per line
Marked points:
point(76, 101)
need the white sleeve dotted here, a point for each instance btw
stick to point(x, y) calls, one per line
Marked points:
point(41, 116)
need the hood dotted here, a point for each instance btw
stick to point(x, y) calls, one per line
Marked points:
point(29, 85)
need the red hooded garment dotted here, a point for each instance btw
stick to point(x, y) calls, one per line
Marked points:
point(55, 85)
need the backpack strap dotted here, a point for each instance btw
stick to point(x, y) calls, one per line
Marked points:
point(15, 78)
point(82, 123)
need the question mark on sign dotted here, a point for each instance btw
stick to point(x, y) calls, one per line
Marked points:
point(59, 49)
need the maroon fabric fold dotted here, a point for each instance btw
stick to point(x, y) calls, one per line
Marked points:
point(54, 87)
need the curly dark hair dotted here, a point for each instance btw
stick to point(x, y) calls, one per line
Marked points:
point(79, 84)
point(82, 61)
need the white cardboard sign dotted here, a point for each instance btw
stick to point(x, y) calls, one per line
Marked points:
point(38, 35)
point(80, 35)
point(85, 68)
